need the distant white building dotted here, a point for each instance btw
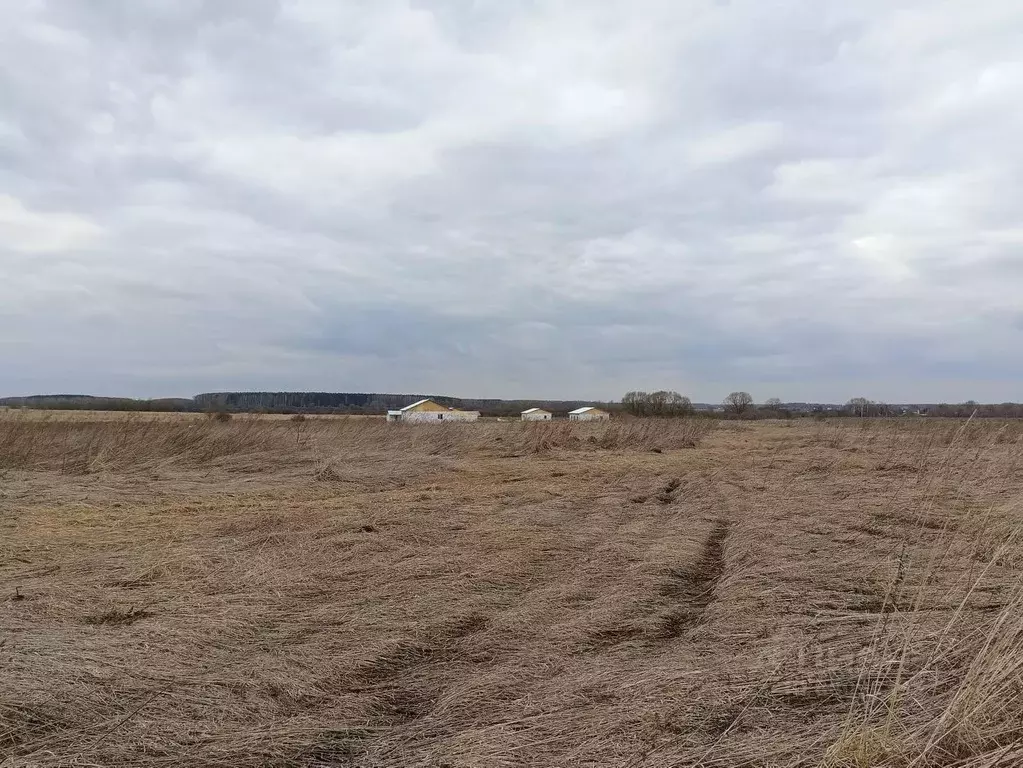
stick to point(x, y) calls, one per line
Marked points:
point(430, 412)
point(589, 413)
point(536, 414)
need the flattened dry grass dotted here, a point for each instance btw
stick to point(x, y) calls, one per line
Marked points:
point(348, 592)
point(80, 446)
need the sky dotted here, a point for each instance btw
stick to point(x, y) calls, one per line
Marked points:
point(538, 199)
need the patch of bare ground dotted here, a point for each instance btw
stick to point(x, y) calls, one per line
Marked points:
point(351, 593)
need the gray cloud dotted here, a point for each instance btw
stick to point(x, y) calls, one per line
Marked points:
point(495, 199)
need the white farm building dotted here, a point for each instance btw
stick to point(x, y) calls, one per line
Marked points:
point(588, 413)
point(536, 414)
point(429, 411)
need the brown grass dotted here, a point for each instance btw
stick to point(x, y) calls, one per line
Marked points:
point(131, 442)
point(328, 592)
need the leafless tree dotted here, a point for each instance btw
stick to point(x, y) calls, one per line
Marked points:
point(860, 406)
point(636, 402)
point(662, 403)
point(739, 402)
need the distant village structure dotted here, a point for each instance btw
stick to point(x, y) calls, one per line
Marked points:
point(536, 414)
point(588, 413)
point(429, 412)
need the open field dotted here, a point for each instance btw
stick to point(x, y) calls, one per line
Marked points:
point(48, 414)
point(344, 592)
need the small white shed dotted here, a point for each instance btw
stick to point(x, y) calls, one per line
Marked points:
point(536, 414)
point(589, 413)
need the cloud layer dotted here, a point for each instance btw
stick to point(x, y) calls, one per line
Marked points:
point(482, 198)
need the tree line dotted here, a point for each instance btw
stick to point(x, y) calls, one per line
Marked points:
point(662, 403)
point(368, 403)
point(658, 404)
point(740, 404)
point(665, 403)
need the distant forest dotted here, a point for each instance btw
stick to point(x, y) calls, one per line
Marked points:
point(364, 403)
point(289, 402)
point(639, 404)
point(93, 403)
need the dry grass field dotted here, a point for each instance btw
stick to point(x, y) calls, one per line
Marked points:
point(344, 592)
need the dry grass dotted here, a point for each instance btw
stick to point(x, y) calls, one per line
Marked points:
point(80, 446)
point(347, 592)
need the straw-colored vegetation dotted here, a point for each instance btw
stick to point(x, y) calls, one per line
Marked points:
point(344, 592)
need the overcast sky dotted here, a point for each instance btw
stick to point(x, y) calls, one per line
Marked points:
point(812, 200)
